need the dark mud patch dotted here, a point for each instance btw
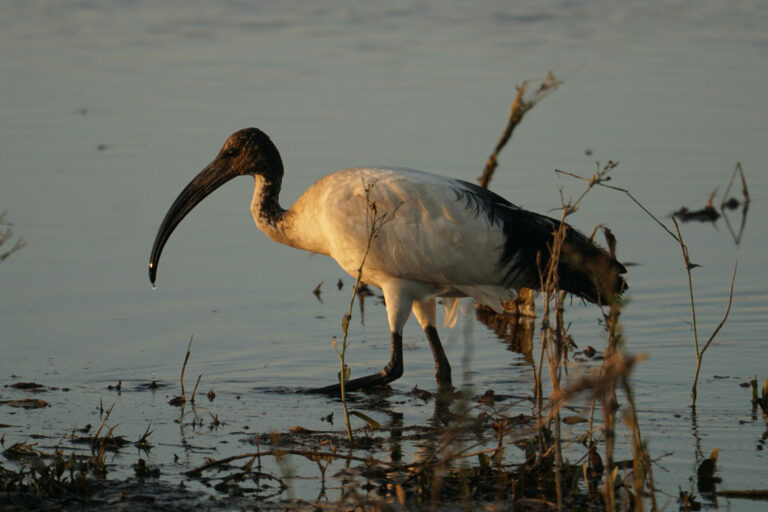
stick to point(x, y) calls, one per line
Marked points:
point(29, 386)
point(136, 494)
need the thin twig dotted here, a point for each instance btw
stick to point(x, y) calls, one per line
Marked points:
point(688, 267)
point(629, 194)
point(745, 206)
point(700, 355)
point(727, 311)
point(745, 192)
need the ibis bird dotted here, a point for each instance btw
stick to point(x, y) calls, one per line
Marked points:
point(441, 237)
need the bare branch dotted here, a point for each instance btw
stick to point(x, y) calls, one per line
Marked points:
point(520, 106)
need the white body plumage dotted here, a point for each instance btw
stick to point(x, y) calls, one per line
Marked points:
point(431, 241)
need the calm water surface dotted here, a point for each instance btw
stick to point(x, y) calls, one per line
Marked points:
point(108, 109)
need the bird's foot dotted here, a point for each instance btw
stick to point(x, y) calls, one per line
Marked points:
point(444, 387)
point(443, 377)
point(381, 378)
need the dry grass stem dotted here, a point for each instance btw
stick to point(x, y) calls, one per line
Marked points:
point(601, 182)
point(524, 300)
point(613, 374)
point(727, 311)
point(194, 390)
point(520, 106)
point(183, 397)
point(688, 267)
point(103, 422)
point(374, 221)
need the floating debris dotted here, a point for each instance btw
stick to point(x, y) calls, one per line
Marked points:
point(22, 450)
point(28, 386)
point(752, 494)
point(705, 474)
point(108, 442)
point(317, 291)
point(27, 403)
point(143, 470)
point(706, 214)
point(487, 397)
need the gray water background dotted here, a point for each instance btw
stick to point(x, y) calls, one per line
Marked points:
point(107, 109)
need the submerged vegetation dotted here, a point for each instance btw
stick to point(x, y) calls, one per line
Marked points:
point(65, 476)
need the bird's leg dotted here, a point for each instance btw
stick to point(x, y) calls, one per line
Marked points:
point(442, 366)
point(424, 311)
point(392, 371)
point(399, 300)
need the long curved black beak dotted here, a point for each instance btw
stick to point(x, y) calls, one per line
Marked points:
point(209, 179)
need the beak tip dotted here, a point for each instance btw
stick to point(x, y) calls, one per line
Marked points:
point(152, 274)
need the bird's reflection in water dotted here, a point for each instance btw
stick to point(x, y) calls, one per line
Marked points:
point(515, 329)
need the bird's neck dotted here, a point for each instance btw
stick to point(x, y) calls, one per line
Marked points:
point(266, 210)
point(296, 227)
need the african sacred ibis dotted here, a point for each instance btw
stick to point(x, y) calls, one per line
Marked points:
point(443, 238)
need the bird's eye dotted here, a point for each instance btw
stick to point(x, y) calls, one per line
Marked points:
point(231, 152)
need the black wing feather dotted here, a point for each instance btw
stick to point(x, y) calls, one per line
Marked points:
point(584, 269)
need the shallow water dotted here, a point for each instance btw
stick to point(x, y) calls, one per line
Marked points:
point(110, 108)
